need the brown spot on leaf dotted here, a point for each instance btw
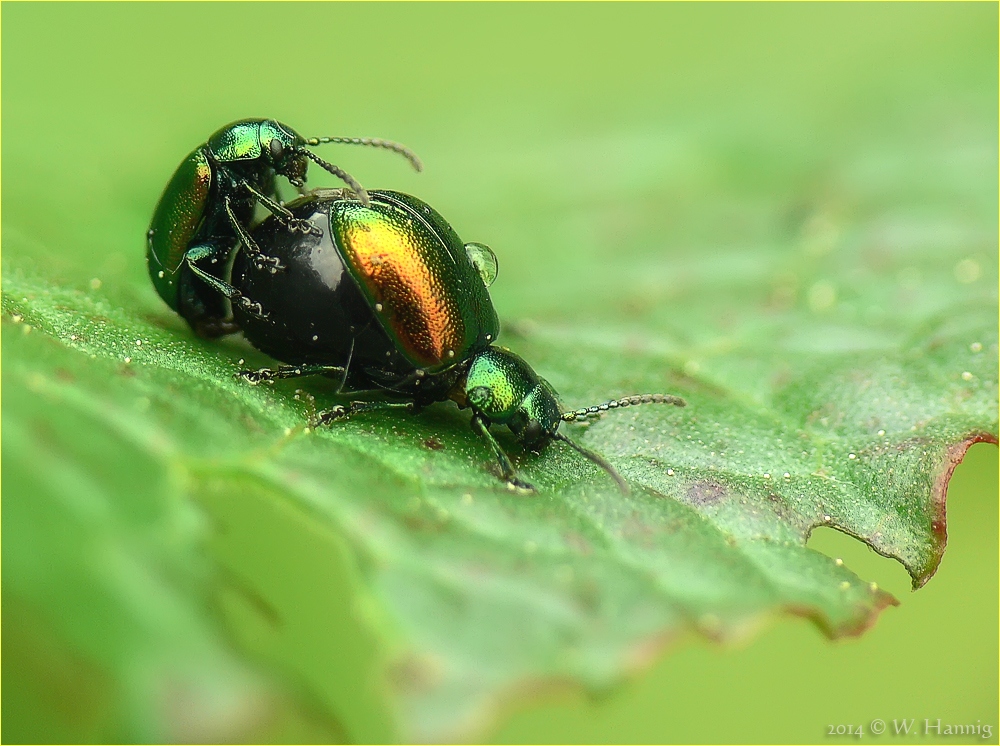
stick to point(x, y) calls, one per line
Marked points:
point(415, 673)
point(72, 685)
point(434, 444)
point(264, 608)
point(251, 424)
point(578, 542)
point(780, 507)
point(705, 492)
point(418, 522)
point(635, 530)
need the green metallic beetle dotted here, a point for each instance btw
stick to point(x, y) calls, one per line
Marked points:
point(209, 202)
point(386, 298)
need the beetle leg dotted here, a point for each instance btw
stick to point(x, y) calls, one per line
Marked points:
point(269, 375)
point(235, 297)
point(339, 412)
point(282, 213)
point(507, 471)
point(261, 260)
point(347, 367)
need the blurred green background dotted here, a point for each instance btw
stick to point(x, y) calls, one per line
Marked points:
point(538, 124)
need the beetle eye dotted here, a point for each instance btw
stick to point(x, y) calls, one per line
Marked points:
point(276, 147)
point(480, 397)
point(484, 260)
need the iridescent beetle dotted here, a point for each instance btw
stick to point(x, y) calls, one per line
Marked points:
point(386, 298)
point(207, 205)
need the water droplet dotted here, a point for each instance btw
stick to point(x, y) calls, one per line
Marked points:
point(845, 585)
point(820, 233)
point(95, 284)
point(976, 347)
point(466, 499)
point(138, 343)
point(881, 433)
point(822, 296)
point(839, 562)
point(451, 353)
point(786, 475)
point(873, 586)
point(128, 359)
point(767, 476)
point(852, 456)
point(967, 376)
point(670, 472)
point(160, 274)
point(967, 271)
point(826, 518)
point(315, 337)
point(710, 623)
point(240, 361)
point(288, 431)
point(484, 260)
point(378, 307)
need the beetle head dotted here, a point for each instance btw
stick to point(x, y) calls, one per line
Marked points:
point(282, 147)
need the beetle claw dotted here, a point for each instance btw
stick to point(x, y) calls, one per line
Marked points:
point(298, 225)
point(254, 309)
point(271, 263)
point(331, 415)
point(254, 377)
point(516, 484)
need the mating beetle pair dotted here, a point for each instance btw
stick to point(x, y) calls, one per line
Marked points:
point(376, 290)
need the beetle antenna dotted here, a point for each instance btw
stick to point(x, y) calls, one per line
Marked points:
point(597, 459)
point(339, 173)
point(627, 401)
point(373, 142)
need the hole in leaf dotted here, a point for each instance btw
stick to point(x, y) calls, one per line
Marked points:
point(861, 559)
